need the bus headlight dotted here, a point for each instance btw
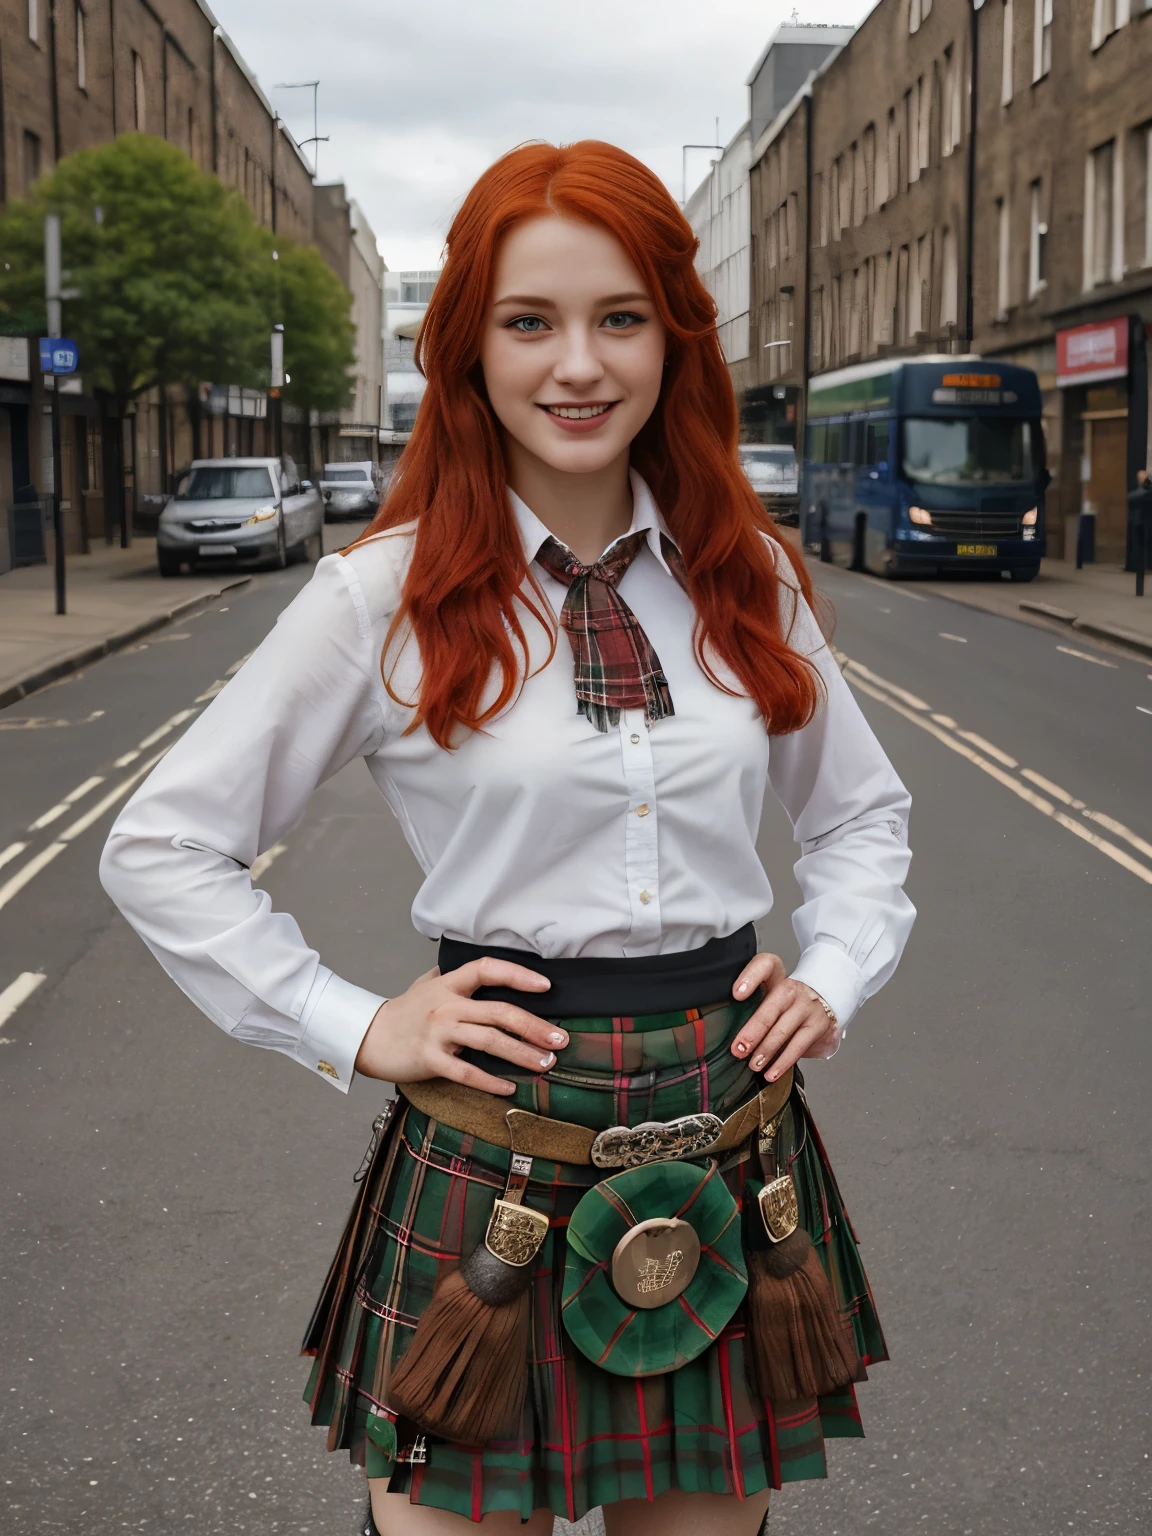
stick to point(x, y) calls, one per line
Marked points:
point(919, 515)
point(1030, 517)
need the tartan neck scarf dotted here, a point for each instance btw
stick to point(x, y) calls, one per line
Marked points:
point(616, 667)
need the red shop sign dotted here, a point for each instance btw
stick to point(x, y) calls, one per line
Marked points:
point(1090, 353)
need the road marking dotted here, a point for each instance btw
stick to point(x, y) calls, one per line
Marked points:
point(65, 805)
point(265, 860)
point(945, 720)
point(1120, 830)
point(13, 851)
point(162, 730)
point(1038, 802)
point(959, 639)
point(1144, 711)
point(901, 693)
point(128, 757)
point(984, 746)
point(16, 883)
point(110, 799)
point(212, 691)
point(1084, 656)
point(17, 992)
point(236, 665)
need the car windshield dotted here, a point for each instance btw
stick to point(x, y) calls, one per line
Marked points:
point(219, 482)
point(977, 450)
point(336, 476)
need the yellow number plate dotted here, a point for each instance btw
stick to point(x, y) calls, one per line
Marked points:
point(976, 549)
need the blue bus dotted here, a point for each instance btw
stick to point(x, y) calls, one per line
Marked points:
point(928, 464)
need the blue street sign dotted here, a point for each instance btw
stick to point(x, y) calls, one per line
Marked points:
point(58, 355)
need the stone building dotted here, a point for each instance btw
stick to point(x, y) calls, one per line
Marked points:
point(870, 191)
point(74, 76)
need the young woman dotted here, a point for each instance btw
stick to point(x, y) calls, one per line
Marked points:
point(573, 653)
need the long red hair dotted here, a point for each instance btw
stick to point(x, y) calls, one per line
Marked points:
point(465, 587)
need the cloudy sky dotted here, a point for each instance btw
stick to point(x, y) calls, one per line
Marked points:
point(419, 97)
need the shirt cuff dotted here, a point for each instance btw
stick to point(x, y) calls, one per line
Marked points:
point(831, 972)
point(334, 1021)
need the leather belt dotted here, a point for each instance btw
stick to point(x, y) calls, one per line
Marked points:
point(477, 1113)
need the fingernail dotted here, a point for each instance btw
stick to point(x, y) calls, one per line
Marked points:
point(741, 1047)
point(758, 1063)
point(546, 1061)
point(556, 1039)
point(507, 1087)
point(773, 1075)
point(741, 989)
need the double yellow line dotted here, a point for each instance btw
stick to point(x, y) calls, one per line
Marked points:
point(1054, 802)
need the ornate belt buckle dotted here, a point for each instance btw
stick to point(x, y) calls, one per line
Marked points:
point(515, 1233)
point(779, 1208)
point(656, 1141)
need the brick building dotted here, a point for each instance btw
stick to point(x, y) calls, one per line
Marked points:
point(73, 76)
point(869, 190)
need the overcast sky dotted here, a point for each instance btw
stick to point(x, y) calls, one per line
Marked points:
point(418, 97)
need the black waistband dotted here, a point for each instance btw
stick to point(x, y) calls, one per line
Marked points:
point(593, 988)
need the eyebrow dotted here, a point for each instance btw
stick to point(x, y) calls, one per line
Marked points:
point(534, 301)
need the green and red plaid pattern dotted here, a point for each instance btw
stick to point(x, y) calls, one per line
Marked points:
point(616, 667)
point(586, 1438)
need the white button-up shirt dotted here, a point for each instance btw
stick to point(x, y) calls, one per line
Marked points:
point(538, 833)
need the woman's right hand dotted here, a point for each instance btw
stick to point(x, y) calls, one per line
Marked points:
point(419, 1034)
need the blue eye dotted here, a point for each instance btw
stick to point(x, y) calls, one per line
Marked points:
point(528, 325)
point(622, 320)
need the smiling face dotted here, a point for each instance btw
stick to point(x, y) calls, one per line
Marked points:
point(573, 349)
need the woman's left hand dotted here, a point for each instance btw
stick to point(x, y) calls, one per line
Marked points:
point(790, 1023)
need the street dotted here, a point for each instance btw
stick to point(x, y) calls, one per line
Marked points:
point(170, 1200)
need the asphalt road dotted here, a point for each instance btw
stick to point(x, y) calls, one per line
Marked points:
point(169, 1201)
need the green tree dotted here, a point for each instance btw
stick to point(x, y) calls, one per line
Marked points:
point(314, 308)
point(168, 263)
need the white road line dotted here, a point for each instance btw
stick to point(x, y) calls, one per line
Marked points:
point(959, 639)
point(985, 746)
point(1048, 787)
point(169, 725)
point(211, 692)
point(1118, 829)
point(94, 815)
point(17, 992)
point(1144, 711)
point(946, 721)
point(266, 859)
point(236, 665)
point(1084, 656)
point(881, 682)
point(13, 851)
point(129, 757)
point(65, 805)
point(1038, 802)
point(17, 882)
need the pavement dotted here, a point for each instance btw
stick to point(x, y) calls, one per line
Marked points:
point(170, 1199)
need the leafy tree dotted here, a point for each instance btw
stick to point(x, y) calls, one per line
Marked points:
point(314, 308)
point(168, 263)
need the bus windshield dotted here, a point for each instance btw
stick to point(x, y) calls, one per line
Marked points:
point(975, 450)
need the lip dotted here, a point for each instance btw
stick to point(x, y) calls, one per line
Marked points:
point(574, 425)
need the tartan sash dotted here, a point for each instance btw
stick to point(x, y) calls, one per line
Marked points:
point(616, 666)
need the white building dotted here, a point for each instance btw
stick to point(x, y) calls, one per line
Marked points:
point(719, 213)
point(406, 296)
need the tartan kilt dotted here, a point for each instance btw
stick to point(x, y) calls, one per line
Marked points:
point(586, 1437)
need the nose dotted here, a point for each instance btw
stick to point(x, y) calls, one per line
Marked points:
point(578, 365)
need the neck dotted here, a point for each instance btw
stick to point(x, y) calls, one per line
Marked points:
point(586, 512)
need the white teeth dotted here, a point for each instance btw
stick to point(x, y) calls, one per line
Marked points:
point(577, 412)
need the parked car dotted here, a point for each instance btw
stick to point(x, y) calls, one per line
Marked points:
point(240, 512)
point(772, 473)
point(350, 490)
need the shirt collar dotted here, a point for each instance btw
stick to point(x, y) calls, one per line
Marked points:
point(646, 519)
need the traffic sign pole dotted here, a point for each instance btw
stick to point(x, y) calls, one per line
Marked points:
point(52, 276)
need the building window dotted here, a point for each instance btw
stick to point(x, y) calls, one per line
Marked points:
point(924, 125)
point(950, 117)
point(894, 183)
point(868, 197)
point(911, 121)
point(1037, 241)
point(902, 296)
point(1003, 257)
point(821, 209)
point(834, 198)
point(1042, 39)
point(949, 279)
point(1006, 57)
point(34, 21)
point(915, 15)
point(816, 350)
point(81, 51)
point(138, 99)
point(1103, 216)
point(31, 159)
point(882, 189)
point(882, 300)
point(1107, 17)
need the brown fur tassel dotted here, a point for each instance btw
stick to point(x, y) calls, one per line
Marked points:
point(464, 1374)
point(800, 1344)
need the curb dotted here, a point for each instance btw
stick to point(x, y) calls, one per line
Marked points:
point(1063, 615)
point(83, 658)
point(1117, 634)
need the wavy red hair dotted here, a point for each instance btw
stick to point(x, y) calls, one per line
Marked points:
point(465, 588)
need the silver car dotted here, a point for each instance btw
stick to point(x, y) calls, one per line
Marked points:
point(350, 490)
point(772, 472)
point(240, 512)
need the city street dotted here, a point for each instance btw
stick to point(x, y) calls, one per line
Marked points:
point(170, 1200)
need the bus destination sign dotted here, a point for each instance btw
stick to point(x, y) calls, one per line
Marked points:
point(972, 389)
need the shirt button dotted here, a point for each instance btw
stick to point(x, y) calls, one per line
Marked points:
point(635, 738)
point(645, 897)
point(642, 810)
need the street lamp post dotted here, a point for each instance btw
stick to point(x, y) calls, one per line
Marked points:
point(52, 284)
point(970, 232)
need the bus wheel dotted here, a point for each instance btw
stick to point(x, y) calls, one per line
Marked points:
point(825, 542)
point(1025, 572)
point(859, 536)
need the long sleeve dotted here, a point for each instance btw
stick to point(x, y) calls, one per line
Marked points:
point(177, 860)
point(849, 813)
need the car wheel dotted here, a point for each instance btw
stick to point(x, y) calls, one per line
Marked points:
point(169, 562)
point(1025, 572)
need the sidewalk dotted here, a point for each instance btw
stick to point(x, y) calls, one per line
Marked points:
point(113, 596)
